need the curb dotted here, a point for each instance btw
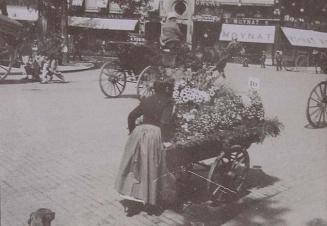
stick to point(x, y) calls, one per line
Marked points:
point(63, 70)
point(79, 69)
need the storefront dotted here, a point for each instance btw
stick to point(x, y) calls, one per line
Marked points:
point(206, 28)
point(255, 38)
point(252, 22)
point(97, 31)
point(297, 42)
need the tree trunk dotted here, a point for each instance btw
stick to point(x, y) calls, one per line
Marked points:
point(3, 7)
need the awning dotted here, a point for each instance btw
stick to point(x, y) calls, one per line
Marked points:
point(22, 13)
point(258, 2)
point(234, 2)
point(77, 2)
point(248, 33)
point(101, 23)
point(307, 38)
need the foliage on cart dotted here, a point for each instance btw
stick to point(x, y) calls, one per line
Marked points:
point(197, 148)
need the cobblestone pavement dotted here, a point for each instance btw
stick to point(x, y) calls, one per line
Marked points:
point(60, 147)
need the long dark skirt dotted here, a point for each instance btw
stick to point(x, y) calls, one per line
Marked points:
point(143, 173)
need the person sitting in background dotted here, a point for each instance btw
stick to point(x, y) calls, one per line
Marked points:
point(50, 68)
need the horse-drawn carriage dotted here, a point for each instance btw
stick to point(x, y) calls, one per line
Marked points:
point(142, 64)
point(10, 36)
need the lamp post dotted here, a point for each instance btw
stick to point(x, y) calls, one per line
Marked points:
point(278, 14)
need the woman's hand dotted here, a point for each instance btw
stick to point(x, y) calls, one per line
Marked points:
point(167, 144)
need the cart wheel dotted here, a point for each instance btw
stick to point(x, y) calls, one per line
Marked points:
point(112, 80)
point(7, 59)
point(227, 175)
point(317, 106)
point(145, 81)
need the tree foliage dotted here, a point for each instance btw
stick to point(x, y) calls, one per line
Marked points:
point(132, 6)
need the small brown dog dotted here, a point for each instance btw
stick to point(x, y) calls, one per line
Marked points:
point(41, 217)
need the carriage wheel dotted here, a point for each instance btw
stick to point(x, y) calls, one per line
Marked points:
point(317, 106)
point(146, 80)
point(229, 171)
point(112, 80)
point(7, 59)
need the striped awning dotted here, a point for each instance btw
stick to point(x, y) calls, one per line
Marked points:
point(234, 2)
point(306, 38)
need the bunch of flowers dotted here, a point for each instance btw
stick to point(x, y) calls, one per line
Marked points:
point(184, 93)
point(219, 109)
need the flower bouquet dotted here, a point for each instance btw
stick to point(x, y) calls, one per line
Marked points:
point(211, 118)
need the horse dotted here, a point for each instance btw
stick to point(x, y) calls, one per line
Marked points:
point(220, 56)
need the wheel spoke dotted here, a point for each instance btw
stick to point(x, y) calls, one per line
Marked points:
point(314, 112)
point(320, 117)
point(311, 98)
point(122, 85)
point(315, 91)
point(117, 88)
point(5, 68)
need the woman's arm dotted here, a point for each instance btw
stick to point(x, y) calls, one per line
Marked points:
point(136, 113)
point(166, 120)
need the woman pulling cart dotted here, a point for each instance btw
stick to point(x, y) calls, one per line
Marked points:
point(143, 179)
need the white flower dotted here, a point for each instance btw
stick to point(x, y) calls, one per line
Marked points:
point(246, 101)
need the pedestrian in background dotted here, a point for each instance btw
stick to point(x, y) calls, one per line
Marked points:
point(77, 47)
point(316, 59)
point(279, 60)
point(263, 59)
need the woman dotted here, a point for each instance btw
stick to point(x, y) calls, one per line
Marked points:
point(143, 177)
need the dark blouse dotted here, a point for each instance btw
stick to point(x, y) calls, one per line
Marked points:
point(156, 110)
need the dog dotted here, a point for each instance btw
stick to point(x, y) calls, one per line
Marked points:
point(41, 217)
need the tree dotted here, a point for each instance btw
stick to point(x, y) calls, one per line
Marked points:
point(3, 7)
point(132, 6)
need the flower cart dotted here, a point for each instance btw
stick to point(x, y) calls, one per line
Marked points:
point(212, 122)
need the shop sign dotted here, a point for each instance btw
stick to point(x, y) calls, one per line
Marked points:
point(254, 83)
point(248, 33)
point(22, 13)
point(216, 2)
point(206, 18)
point(248, 21)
